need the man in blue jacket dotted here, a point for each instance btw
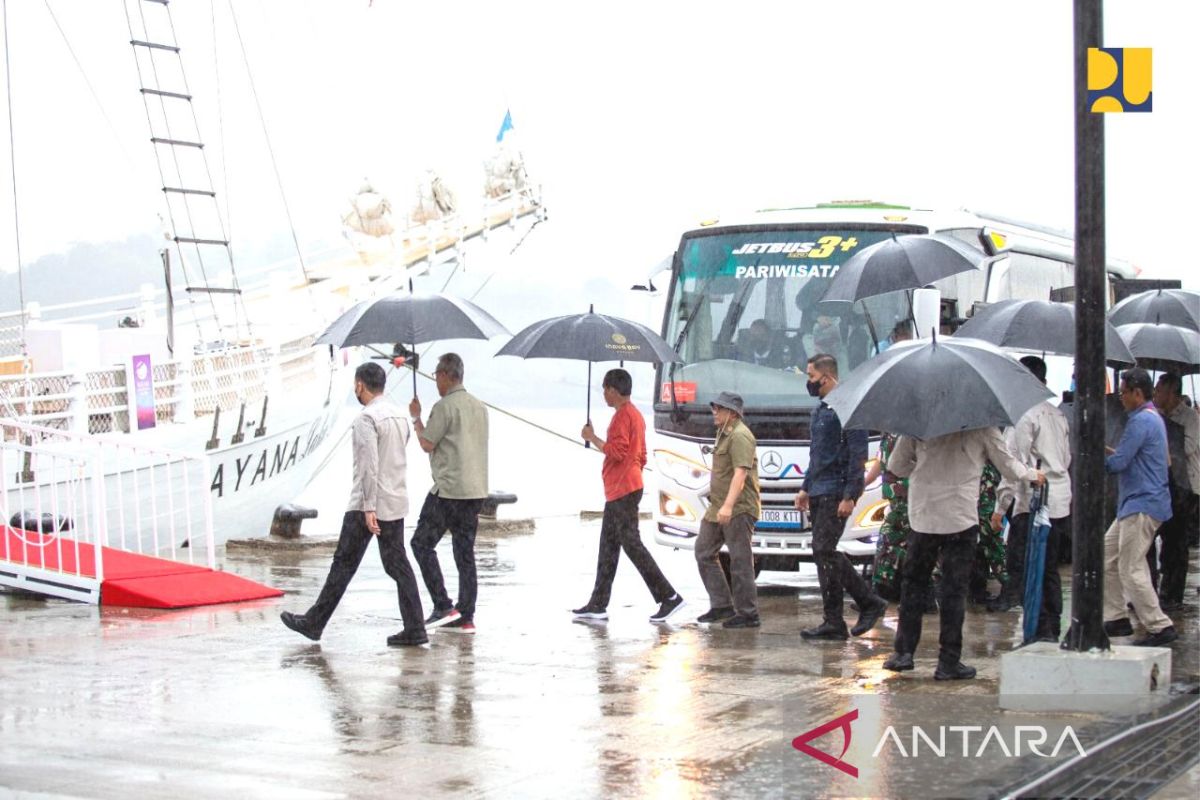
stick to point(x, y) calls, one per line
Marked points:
point(832, 485)
point(1143, 503)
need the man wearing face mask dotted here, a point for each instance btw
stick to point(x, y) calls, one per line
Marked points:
point(832, 485)
point(733, 508)
point(378, 505)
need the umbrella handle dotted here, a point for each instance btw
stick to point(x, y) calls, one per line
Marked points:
point(588, 445)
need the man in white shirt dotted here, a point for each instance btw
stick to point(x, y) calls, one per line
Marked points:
point(377, 507)
point(943, 491)
point(1185, 485)
point(1041, 438)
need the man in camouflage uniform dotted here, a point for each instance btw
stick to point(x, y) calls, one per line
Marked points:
point(989, 551)
point(891, 545)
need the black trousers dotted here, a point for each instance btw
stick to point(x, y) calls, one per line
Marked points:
point(835, 573)
point(619, 531)
point(957, 551)
point(1050, 618)
point(352, 546)
point(1173, 547)
point(461, 518)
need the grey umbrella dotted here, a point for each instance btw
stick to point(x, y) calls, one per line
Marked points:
point(902, 262)
point(1168, 348)
point(931, 388)
point(590, 337)
point(410, 319)
point(1169, 306)
point(1037, 326)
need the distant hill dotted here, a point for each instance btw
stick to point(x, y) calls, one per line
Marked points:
point(86, 271)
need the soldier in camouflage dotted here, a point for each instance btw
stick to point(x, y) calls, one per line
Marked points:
point(989, 551)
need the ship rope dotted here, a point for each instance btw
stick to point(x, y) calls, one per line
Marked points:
point(12, 150)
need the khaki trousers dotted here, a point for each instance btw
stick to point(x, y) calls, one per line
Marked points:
point(1126, 573)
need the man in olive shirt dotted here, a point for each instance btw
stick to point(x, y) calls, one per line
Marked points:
point(733, 508)
point(456, 439)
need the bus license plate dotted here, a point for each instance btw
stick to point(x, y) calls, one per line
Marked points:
point(781, 518)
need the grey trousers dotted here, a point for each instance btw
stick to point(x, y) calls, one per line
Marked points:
point(741, 564)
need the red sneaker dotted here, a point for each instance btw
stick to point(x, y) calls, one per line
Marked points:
point(461, 625)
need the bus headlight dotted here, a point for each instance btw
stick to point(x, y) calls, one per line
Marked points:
point(873, 515)
point(684, 471)
point(674, 508)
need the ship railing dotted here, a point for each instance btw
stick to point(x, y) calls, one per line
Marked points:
point(65, 496)
point(99, 401)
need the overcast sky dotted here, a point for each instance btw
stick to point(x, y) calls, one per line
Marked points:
point(639, 118)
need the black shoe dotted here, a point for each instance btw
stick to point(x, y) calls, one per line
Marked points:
point(868, 618)
point(299, 624)
point(406, 638)
point(1001, 602)
point(442, 616)
point(826, 632)
point(667, 608)
point(958, 672)
point(899, 662)
point(715, 614)
point(1170, 605)
point(741, 621)
point(590, 612)
point(1160, 639)
point(1118, 627)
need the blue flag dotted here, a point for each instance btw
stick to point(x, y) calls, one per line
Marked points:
point(505, 126)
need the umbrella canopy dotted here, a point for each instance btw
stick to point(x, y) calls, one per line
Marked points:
point(903, 262)
point(1168, 306)
point(1037, 326)
point(928, 389)
point(1163, 347)
point(411, 319)
point(590, 337)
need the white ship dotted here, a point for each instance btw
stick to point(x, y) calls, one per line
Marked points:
point(198, 409)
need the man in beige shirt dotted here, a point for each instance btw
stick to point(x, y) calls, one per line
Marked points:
point(377, 507)
point(456, 439)
point(1184, 484)
point(1041, 439)
point(943, 506)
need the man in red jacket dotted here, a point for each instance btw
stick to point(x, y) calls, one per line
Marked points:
point(624, 456)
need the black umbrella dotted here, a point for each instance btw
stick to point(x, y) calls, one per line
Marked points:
point(902, 262)
point(1168, 306)
point(411, 319)
point(1037, 326)
point(590, 337)
point(1167, 348)
point(931, 388)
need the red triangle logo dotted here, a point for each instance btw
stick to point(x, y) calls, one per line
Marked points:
point(801, 742)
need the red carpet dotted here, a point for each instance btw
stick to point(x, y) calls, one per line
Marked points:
point(131, 579)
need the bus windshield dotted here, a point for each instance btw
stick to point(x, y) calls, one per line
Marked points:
point(746, 315)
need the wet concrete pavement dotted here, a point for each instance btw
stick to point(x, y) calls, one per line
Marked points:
point(224, 701)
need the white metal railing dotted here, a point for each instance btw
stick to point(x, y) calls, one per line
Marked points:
point(97, 401)
point(85, 493)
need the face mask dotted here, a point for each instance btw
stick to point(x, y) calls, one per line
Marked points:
point(814, 388)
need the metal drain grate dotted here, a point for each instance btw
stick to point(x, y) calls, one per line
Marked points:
point(1133, 763)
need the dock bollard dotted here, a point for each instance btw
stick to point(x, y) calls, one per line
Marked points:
point(495, 499)
point(288, 517)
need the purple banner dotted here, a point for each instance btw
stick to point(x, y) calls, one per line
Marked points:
point(143, 391)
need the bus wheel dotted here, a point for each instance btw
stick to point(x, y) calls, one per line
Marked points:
point(723, 556)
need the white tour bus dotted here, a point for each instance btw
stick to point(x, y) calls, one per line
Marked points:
point(771, 268)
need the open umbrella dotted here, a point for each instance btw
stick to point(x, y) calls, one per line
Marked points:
point(590, 337)
point(934, 387)
point(412, 319)
point(1035, 560)
point(1036, 326)
point(1163, 347)
point(1168, 306)
point(902, 262)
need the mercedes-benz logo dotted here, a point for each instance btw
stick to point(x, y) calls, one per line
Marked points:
point(771, 461)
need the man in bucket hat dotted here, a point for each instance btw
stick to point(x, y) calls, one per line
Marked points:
point(733, 508)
